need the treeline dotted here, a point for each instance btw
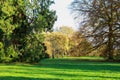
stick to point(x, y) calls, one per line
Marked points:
point(65, 42)
point(21, 25)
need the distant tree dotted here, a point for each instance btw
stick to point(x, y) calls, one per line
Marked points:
point(101, 23)
point(57, 44)
point(79, 45)
point(66, 30)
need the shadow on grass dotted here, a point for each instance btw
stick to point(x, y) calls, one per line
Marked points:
point(78, 64)
point(75, 64)
point(24, 78)
point(84, 76)
point(49, 66)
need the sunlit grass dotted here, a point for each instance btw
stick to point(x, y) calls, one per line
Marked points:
point(61, 69)
point(85, 57)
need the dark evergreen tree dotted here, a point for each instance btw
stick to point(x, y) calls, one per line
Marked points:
point(21, 28)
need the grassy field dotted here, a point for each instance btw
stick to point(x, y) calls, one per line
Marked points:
point(62, 69)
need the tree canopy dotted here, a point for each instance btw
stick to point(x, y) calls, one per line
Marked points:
point(21, 25)
point(101, 22)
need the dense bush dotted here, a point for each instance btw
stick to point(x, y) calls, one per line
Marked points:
point(9, 55)
point(34, 49)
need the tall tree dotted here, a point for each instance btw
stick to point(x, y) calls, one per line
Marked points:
point(41, 14)
point(39, 18)
point(21, 26)
point(101, 23)
point(8, 11)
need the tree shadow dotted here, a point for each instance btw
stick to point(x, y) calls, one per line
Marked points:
point(84, 76)
point(47, 67)
point(78, 64)
point(24, 78)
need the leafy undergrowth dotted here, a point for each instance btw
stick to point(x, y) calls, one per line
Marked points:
point(62, 69)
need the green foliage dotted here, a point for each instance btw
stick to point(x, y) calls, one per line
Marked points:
point(34, 49)
point(11, 52)
point(42, 16)
point(1, 51)
point(11, 55)
point(1, 45)
point(10, 11)
point(1, 34)
point(21, 29)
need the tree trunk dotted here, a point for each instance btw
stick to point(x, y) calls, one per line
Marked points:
point(53, 55)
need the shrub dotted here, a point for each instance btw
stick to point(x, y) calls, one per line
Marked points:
point(9, 55)
point(34, 50)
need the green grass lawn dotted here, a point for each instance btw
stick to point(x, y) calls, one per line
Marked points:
point(62, 69)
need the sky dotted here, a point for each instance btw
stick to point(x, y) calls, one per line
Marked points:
point(63, 12)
